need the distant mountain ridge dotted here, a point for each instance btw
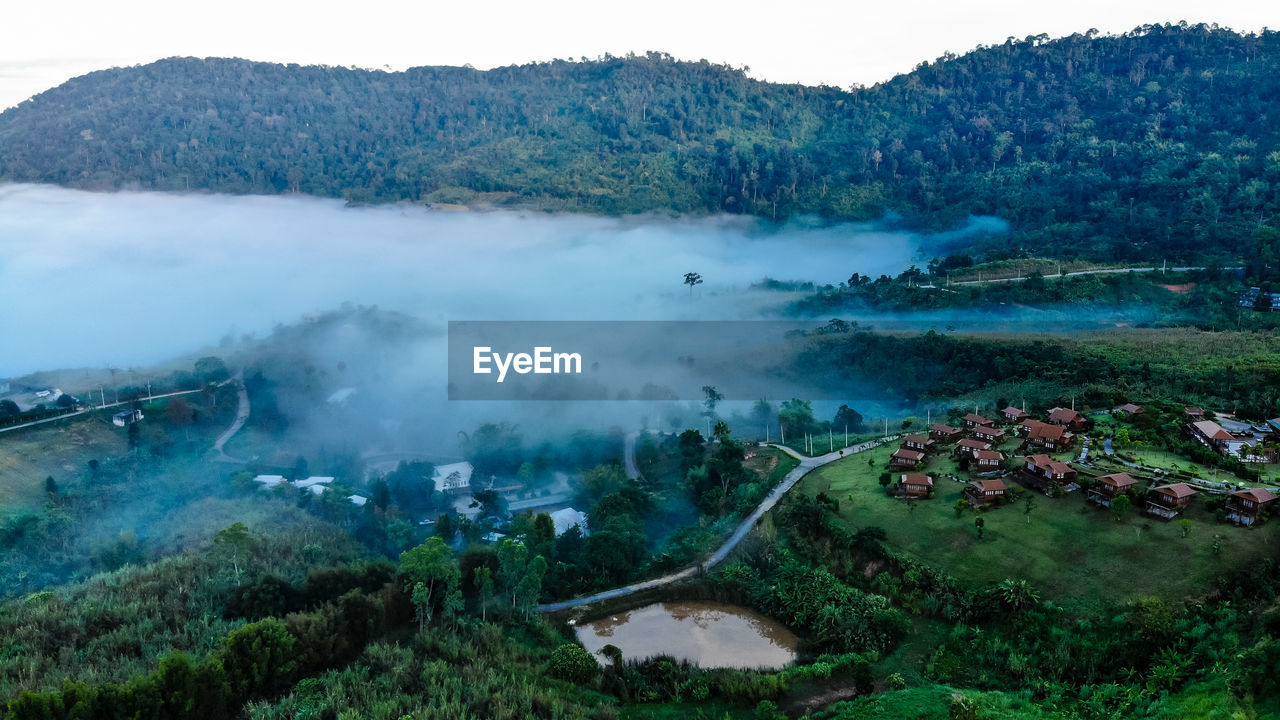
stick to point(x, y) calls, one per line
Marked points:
point(1162, 142)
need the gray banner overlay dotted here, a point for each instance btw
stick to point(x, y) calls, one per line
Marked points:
point(625, 360)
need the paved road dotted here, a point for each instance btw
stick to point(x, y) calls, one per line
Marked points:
point(1084, 272)
point(91, 408)
point(806, 465)
point(242, 415)
point(629, 455)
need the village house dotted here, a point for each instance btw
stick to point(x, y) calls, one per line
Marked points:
point(567, 518)
point(453, 479)
point(906, 458)
point(943, 433)
point(1015, 415)
point(973, 420)
point(1049, 437)
point(126, 417)
point(918, 442)
point(1044, 471)
point(1067, 418)
point(969, 446)
point(1108, 487)
point(915, 485)
point(988, 434)
point(1247, 507)
point(1167, 501)
point(1192, 414)
point(1211, 433)
point(983, 492)
point(1129, 409)
point(987, 459)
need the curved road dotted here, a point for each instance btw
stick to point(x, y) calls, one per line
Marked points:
point(806, 465)
point(242, 415)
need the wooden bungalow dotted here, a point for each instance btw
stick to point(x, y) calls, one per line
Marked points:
point(969, 446)
point(1167, 501)
point(1067, 418)
point(1247, 507)
point(944, 433)
point(919, 442)
point(1107, 487)
point(984, 492)
point(906, 458)
point(988, 434)
point(1015, 415)
point(915, 485)
point(985, 460)
point(1129, 409)
point(1192, 414)
point(1211, 433)
point(1049, 437)
point(974, 420)
point(1043, 471)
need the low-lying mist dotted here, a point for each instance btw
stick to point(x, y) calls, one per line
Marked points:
point(123, 279)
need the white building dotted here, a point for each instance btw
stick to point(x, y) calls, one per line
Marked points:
point(126, 417)
point(566, 518)
point(454, 478)
point(316, 484)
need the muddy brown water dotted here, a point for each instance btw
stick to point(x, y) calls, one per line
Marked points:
point(712, 635)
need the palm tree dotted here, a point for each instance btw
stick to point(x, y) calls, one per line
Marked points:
point(1017, 594)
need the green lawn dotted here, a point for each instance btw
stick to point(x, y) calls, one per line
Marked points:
point(1069, 550)
point(61, 450)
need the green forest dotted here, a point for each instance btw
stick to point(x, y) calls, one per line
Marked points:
point(1158, 143)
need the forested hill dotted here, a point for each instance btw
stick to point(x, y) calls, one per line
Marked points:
point(1164, 142)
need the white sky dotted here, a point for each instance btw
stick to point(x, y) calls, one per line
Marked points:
point(43, 43)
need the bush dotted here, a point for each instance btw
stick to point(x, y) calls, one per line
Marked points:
point(574, 664)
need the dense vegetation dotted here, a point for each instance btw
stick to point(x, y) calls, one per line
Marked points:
point(1157, 143)
point(1239, 370)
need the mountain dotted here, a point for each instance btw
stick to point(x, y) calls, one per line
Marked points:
point(1159, 143)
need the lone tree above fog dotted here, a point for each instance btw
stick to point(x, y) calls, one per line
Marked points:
point(691, 279)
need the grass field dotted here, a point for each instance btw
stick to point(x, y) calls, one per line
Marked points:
point(61, 450)
point(1068, 549)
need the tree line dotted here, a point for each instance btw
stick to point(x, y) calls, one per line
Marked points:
point(1160, 142)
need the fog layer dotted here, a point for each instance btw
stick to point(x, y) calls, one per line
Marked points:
point(124, 279)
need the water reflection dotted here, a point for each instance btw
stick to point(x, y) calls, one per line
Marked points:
point(711, 635)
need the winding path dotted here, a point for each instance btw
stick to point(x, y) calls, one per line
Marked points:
point(242, 415)
point(807, 464)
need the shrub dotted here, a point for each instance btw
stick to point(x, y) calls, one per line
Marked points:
point(573, 663)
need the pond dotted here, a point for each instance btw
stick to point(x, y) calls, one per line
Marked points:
point(712, 635)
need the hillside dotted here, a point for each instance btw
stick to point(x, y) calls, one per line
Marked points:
point(1160, 142)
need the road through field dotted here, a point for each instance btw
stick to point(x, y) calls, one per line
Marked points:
point(807, 464)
